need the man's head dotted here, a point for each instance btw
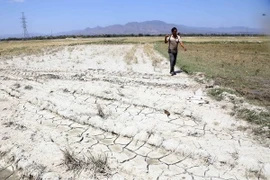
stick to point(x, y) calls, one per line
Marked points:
point(174, 31)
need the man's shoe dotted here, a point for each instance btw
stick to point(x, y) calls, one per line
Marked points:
point(173, 73)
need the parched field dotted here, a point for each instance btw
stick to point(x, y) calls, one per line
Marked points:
point(108, 109)
point(241, 64)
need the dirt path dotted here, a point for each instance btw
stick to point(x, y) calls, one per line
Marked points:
point(89, 100)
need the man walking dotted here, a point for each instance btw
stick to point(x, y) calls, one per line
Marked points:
point(174, 39)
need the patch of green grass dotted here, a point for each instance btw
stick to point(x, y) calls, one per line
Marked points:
point(243, 65)
point(187, 69)
point(259, 118)
point(217, 93)
point(225, 42)
point(17, 49)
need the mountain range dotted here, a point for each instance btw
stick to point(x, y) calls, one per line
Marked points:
point(160, 27)
point(153, 27)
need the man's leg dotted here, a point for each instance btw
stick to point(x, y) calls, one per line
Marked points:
point(172, 62)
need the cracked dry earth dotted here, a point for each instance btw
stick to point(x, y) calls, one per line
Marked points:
point(88, 99)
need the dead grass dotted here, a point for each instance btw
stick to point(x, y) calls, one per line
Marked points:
point(9, 49)
point(130, 56)
point(33, 171)
point(240, 65)
point(2, 154)
point(100, 111)
point(217, 93)
point(149, 51)
point(255, 174)
point(98, 164)
point(72, 162)
point(261, 118)
point(28, 87)
point(17, 85)
point(16, 125)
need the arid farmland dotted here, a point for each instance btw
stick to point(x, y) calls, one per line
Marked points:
point(107, 108)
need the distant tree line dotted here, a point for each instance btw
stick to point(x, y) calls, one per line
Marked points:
point(119, 35)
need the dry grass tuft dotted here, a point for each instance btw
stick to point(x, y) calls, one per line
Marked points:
point(17, 85)
point(34, 171)
point(72, 162)
point(28, 87)
point(2, 154)
point(16, 125)
point(100, 111)
point(130, 57)
point(255, 174)
point(98, 164)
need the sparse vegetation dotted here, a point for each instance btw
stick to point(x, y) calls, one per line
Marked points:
point(67, 108)
point(255, 174)
point(242, 68)
point(100, 111)
point(149, 51)
point(217, 93)
point(130, 57)
point(17, 85)
point(65, 90)
point(70, 49)
point(98, 164)
point(2, 154)
point(49, 76)
point(260, 118)
point(238, 63)
point(16, 125)
point(72, 162)
point(34, 171)
point(28, 87)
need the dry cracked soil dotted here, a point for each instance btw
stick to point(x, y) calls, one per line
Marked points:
point(83, 112)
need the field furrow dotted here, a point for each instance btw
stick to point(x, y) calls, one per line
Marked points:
point(98, 117)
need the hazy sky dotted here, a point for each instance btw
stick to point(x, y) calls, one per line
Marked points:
point(44, 16)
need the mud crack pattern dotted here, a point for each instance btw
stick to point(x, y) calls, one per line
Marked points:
point(104, 106)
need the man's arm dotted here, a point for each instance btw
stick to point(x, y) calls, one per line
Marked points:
point(165, 40)
point(182, 45)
